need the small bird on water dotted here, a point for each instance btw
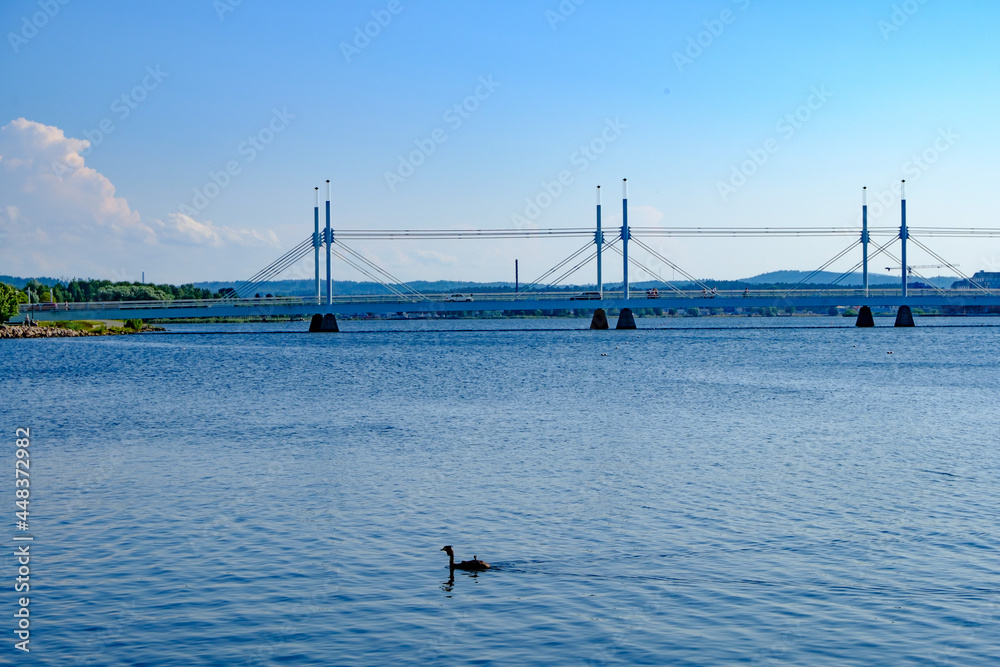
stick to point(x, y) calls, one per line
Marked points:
point(474, 564)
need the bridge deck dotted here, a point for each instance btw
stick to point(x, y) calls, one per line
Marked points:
point(385, 305)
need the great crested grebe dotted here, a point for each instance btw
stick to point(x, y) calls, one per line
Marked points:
point(474, 564)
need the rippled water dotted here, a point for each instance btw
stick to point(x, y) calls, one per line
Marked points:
point(690, 495)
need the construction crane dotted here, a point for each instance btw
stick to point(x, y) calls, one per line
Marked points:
point(910, 268)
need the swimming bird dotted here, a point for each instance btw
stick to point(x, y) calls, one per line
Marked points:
point(474, 564)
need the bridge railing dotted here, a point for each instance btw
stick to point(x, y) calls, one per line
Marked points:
point(122, 308)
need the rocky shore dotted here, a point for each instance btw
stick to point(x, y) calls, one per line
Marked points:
point(36, 331)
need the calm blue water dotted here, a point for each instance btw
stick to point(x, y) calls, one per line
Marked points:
point(722, 491)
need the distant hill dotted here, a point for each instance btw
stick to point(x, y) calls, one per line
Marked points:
point(854, 279)
point(19, 283)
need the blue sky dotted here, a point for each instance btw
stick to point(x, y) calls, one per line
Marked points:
point(887, 81)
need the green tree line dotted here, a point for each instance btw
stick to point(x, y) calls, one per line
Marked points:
point(106, 290)
point(96, 290)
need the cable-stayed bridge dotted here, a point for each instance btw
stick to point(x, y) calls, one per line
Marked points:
point(539, 294)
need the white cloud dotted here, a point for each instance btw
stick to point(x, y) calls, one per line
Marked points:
point(435, 257)
point(644, 216)
point(59, 215)
point(185, 230)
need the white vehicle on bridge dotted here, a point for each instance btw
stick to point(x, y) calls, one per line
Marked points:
point(459, 297)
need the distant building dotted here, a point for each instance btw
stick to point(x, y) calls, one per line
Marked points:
point(987, 279)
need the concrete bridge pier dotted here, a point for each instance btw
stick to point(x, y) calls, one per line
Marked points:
point(600, 320)
point(330, 323)
point(323, 323)
point(904, 317)
point(625, 319)
point(865, 318)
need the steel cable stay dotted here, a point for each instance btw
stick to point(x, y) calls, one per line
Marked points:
point(255, 278)
point(335, 251)
point(272, 270)
point(278, 267)
point(759, 231)
point(583, 232)
point(244, 288)
point(361, 269)
point(269, 269)
point(823, 267)
point(636, 263)
point(738, 231)
point(836, 281)
point(956, 231)
point(583, 263)
point(378, 268)
point(275, 271)
point(302, 250)
point(393, 283)
point(530, 287)
point(573, 269)
point(932, 285)
point(387, 280)
point(950, 266)
point(669, 263)
point(393, 291)
point(461, 233)
point(673, 266)
point(917, 274)
point(878, 251)
point(305, 244)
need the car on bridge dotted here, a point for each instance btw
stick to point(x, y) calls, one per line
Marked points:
point(459, 297)
point(586, 296)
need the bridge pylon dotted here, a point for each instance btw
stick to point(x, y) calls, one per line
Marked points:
point(626, 234)
point(599, 240)
point(903, 235)
point(864, 238)
point(328, 239)
point(316, 245)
